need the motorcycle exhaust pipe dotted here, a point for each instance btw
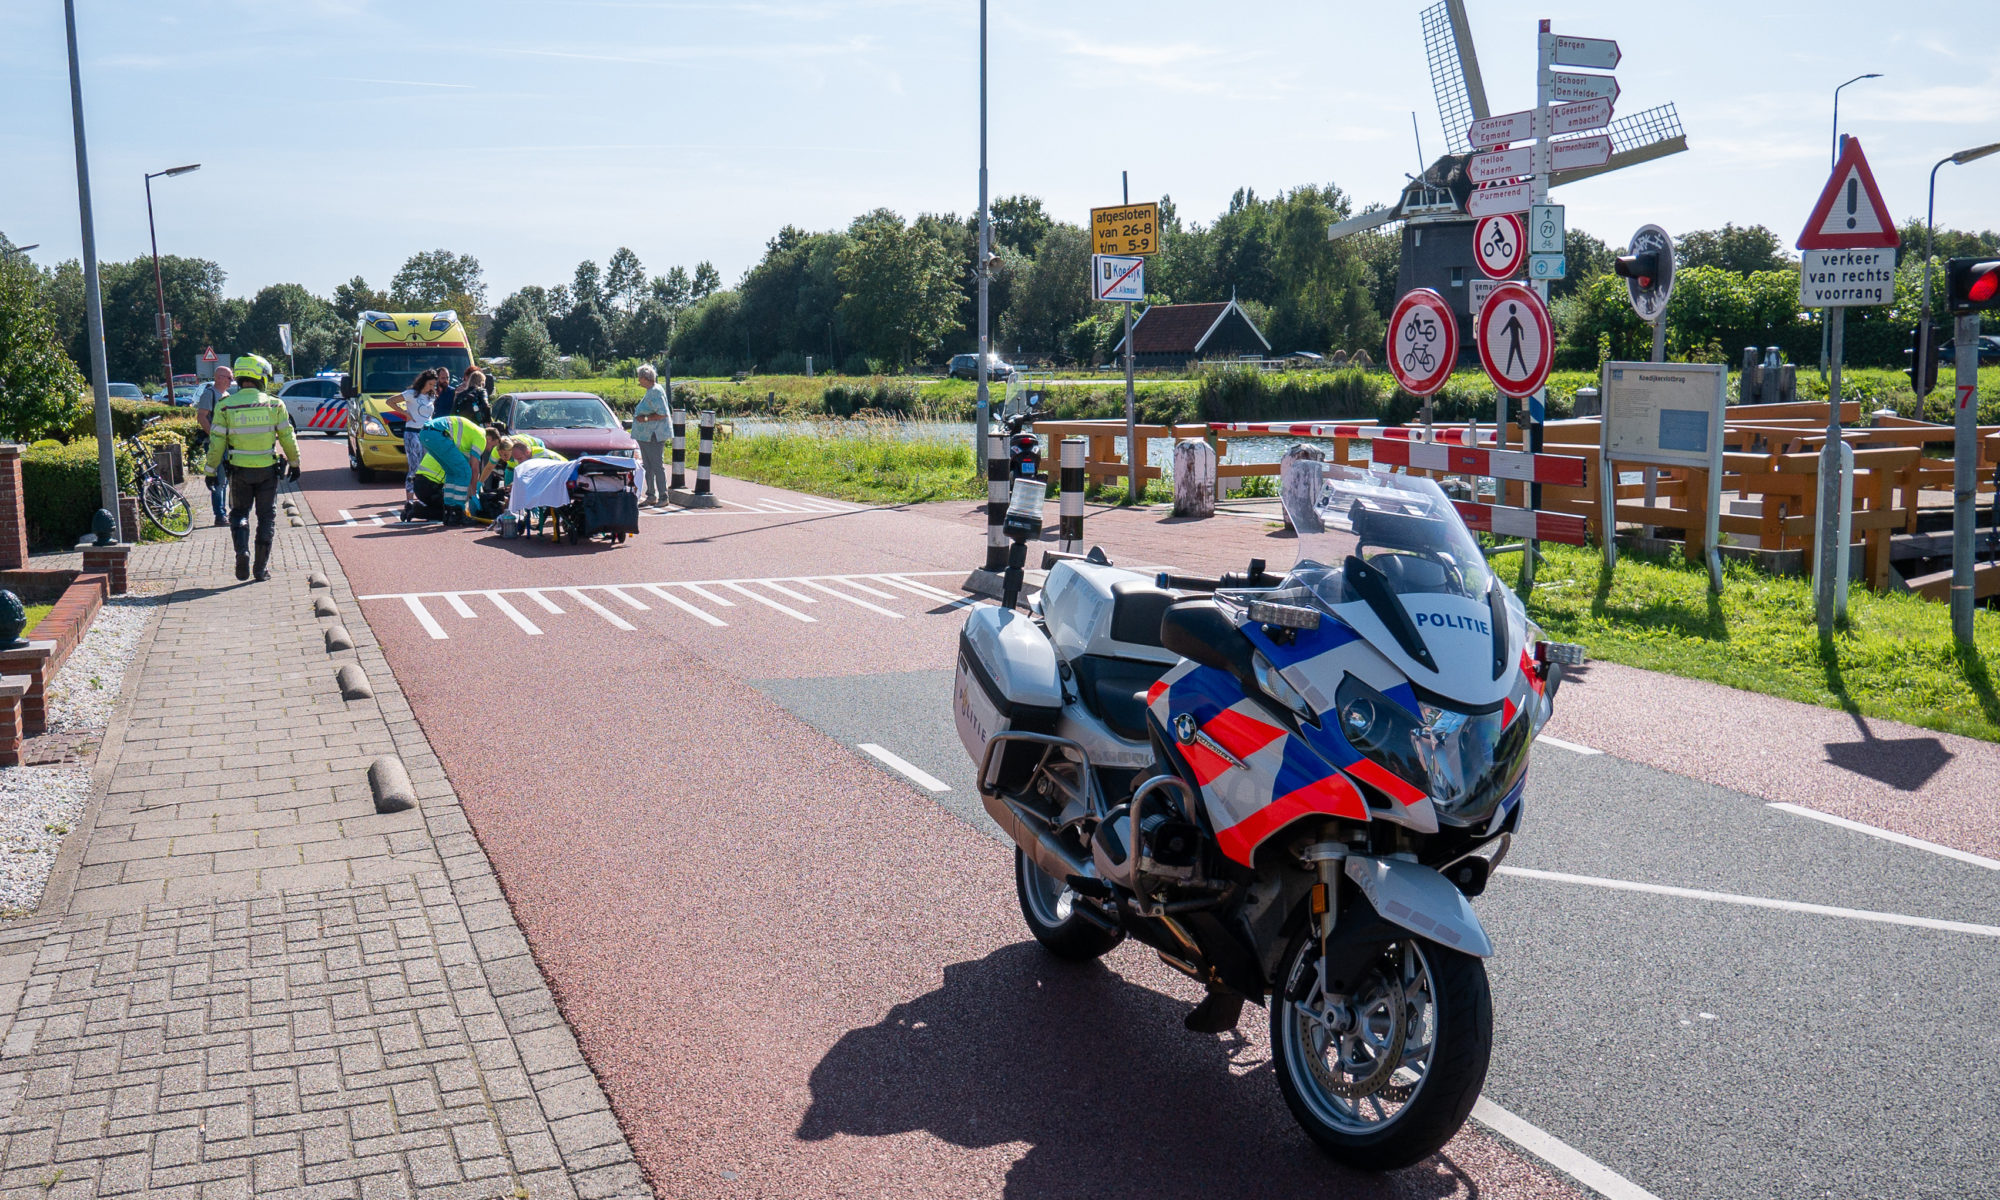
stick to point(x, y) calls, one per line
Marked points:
point(1027, 830)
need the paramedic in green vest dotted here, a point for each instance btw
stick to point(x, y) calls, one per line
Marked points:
point(244, 433)
point(455, 455)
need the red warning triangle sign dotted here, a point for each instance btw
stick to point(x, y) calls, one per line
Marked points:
point(1850, 214)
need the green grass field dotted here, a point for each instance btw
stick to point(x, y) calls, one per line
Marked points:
point(1894, 659)
point(35, 614)
point(866, 467)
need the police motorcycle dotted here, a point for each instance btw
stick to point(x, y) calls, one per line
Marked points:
point(1290, 788)
point(1024, 449)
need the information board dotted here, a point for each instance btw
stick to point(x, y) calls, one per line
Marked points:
point(1669, 415)
point(1125, 229)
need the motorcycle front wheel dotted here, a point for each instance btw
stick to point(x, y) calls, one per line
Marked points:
point(1050, 905)
point(1384, 1076)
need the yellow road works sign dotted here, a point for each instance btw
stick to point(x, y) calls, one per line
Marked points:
point(1125, 229)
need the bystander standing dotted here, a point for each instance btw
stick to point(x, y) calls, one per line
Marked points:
point(651, 428)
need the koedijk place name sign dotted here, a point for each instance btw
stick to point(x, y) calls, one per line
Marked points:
point(1844, 278)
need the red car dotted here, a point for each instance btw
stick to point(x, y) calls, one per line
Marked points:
point(569, 423)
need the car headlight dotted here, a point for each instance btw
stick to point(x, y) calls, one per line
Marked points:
point(373, 428)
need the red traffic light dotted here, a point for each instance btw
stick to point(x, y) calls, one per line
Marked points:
point(1641, 267)
point(1972, 285)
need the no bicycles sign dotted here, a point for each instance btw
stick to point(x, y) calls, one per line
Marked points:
point(1423, 342)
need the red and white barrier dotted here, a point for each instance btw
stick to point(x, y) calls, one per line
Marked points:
point(1519, 465)
point(1462, 436)
point(1504, 521)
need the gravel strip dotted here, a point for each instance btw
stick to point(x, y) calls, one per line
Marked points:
point(39, 805)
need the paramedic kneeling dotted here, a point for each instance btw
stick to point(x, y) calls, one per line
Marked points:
point(453, 452)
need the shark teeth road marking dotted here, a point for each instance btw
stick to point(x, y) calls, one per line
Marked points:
point(692, 597)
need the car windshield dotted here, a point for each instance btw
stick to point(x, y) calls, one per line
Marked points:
point(1401, 525)
point(392, 368)
point(128, 391)
point(577, 412)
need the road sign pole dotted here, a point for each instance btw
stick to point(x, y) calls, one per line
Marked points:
point(1544, 154)
point(1964, 475)
point(984, 405)
point(93, 306)
point(1829, 551)
point(1132, 463)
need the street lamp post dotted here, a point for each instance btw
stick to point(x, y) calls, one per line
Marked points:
point(13, 250)
point(985, 247)
point(1826, 330)
point(93, 299)
point(159, 287)
point(1965, 443)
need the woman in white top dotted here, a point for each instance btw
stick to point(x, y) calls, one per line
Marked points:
point(415, 406)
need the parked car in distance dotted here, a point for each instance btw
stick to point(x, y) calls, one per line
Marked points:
point(1989, 350)
point(124, 391)
point(966, 366)
point(183, 395)
point(315, 405)
point(569, 423)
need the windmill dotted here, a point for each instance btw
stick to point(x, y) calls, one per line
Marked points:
point(1434, 203)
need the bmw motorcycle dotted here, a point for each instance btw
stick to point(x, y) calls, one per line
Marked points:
point(1290, 788)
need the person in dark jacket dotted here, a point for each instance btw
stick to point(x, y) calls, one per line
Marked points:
point(471, 401)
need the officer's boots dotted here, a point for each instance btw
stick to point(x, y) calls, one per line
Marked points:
point(263, 559)
point(240, 534)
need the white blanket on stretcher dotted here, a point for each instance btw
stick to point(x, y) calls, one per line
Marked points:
point(544, 482)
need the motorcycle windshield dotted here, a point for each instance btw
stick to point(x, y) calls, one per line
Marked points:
point(1403, 526)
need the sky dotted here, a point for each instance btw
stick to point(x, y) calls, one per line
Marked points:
point(338, 137)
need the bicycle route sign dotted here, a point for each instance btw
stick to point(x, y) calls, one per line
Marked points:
point(1501, 239)
point(1516, 339)
point(1423, 342)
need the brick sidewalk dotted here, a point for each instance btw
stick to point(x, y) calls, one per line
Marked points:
point(251, 983)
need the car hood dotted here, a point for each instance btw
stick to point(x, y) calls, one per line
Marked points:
point(571, 442)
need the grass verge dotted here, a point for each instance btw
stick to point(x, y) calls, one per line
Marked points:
point(861, 466)
point(1895, 657)
point(35, 614)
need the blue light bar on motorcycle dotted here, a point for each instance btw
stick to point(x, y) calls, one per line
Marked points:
point(1284, 616)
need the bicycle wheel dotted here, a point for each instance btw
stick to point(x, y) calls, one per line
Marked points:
point(165, 508)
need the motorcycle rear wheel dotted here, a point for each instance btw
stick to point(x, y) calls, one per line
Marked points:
point(1049, 906)
point(1447, 1041)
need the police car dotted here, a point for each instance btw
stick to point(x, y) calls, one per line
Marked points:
point(315, 405)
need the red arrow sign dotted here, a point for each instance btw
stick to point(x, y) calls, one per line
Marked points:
point(1583, 115)
point(1512, 198)
point(1583, 87)
point(1576, 153)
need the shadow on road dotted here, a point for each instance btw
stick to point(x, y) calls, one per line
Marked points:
point(1096, 1075)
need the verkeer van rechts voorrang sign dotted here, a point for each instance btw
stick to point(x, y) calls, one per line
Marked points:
point(1842, 278)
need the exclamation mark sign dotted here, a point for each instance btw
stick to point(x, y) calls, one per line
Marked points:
point(1853, 201)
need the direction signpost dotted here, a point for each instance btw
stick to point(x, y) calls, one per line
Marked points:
point(1567, 87)
point(1849, 258)
point(1499, 241)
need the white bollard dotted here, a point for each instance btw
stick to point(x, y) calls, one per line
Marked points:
point(1298, 478)
point(1194, 478)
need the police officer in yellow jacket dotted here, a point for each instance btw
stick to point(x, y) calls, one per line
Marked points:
point(247, 429)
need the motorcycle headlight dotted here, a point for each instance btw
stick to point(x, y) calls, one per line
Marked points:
point(1382, 731)
point(373, 428)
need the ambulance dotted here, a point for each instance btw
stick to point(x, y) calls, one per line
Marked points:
point(390, 351)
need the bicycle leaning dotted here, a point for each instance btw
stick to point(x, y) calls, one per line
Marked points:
point(160, 502)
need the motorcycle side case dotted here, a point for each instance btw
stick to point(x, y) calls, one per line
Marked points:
point(1006, 680)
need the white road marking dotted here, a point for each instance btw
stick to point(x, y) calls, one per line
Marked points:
point(1901, 839)
point(782, 590)
point(705, 594)
point(627, 599)
point(535, 594)
point(672, 599)
point(854, 600)
point(500, 602)
point(1823, 910)
point(458, 605)
point(1572, 747)
point(1558, 1154)
point(744, 507)
point(859, 586)
point(424, 617)
point(907, 769)
point(346, 518)
point(767, 601)
point(921, 589)
point(617, 622)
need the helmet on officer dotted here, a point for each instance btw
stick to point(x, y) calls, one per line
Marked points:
point(252, 371)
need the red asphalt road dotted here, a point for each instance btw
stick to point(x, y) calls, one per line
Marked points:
point(793, 975)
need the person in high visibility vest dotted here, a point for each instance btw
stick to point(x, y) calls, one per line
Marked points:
point(245, 432)
point(456, 455)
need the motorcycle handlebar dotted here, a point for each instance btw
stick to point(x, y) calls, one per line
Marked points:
point(1210, 583)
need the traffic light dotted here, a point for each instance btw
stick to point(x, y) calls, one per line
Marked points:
point(1923, 368)
point(1644, 267)
point(1972, 285)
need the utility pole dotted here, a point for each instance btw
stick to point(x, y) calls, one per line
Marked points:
point(985, 249)
point(93, 301)
point(1132, 463)
point(159, 288)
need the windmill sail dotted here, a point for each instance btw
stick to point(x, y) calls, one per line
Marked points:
point(1461, 93)
point(1641, 137)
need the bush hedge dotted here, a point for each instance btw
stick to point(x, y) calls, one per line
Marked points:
point(60, 489)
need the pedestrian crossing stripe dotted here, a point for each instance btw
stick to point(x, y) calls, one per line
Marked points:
point(790, 507)
point(786, 595)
